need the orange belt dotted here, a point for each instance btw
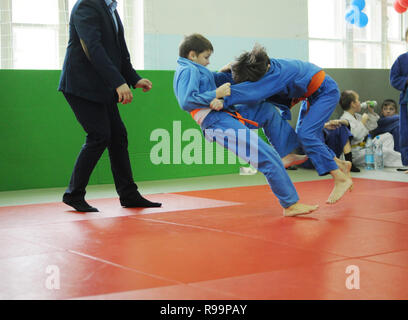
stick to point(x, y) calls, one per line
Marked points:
point(194, 112)
point(236, 115)
point(314, 84)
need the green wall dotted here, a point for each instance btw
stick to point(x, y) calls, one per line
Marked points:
point(40, 137)
point(370, 84)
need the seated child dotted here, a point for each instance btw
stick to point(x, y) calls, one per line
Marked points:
point(389, 122)
point(360, 126)
point(196, 90)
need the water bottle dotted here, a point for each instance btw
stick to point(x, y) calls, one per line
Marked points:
point(378, 155)
point(369, 154)
point(366, 104)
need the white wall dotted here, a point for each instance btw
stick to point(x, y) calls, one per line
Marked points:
point(232, 27)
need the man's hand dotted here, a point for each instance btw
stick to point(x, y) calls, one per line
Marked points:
point(223, 90)
point(124, 93)
point(217, 104)
point(145, 84)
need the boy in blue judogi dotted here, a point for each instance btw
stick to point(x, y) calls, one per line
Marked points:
point(389, 122)
point(287, 82)
point(399, 80)
point(196, 90)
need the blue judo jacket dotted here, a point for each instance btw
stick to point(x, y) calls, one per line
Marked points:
point(398, 79)
point(286, 79)
point(194, 86)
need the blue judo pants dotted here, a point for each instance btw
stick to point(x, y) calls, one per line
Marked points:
point(403, 129)
point(335, 139)
point(247, 145)
point(311, 122)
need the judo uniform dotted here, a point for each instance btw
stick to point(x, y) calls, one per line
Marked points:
point(289, 79)
point(194, 86)
point(389, 124)
point(359, 131)
point(335, 139)
point(398, 79)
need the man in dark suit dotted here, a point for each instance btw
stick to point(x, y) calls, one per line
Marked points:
point(96, 75)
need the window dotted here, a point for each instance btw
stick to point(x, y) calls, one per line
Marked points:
point(35, 48)
point(34, 34)
point(334, 43)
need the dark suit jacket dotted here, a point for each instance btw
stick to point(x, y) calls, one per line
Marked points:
point(97, 60)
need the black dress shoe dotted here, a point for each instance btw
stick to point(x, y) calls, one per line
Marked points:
point(80, 205)
point(354, 168)
point(139, 202)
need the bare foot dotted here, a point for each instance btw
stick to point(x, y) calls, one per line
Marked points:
point(299, 209)
point(342, 183)
point(345, 167)
point(293, 159)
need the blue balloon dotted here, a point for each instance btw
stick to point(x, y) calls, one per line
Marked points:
point(363, 20)
point(358, 3)
point(350, 16)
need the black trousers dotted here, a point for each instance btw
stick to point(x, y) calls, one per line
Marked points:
point(105, 129)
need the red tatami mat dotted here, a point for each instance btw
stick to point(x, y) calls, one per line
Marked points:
point(214, 244)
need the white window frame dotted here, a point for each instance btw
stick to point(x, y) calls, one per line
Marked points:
point(349, 43)
point(132, 19)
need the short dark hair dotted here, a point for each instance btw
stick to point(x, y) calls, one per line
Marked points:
point(388, 102)
point(250, 66)
point(346, 98)
point(194, 42)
